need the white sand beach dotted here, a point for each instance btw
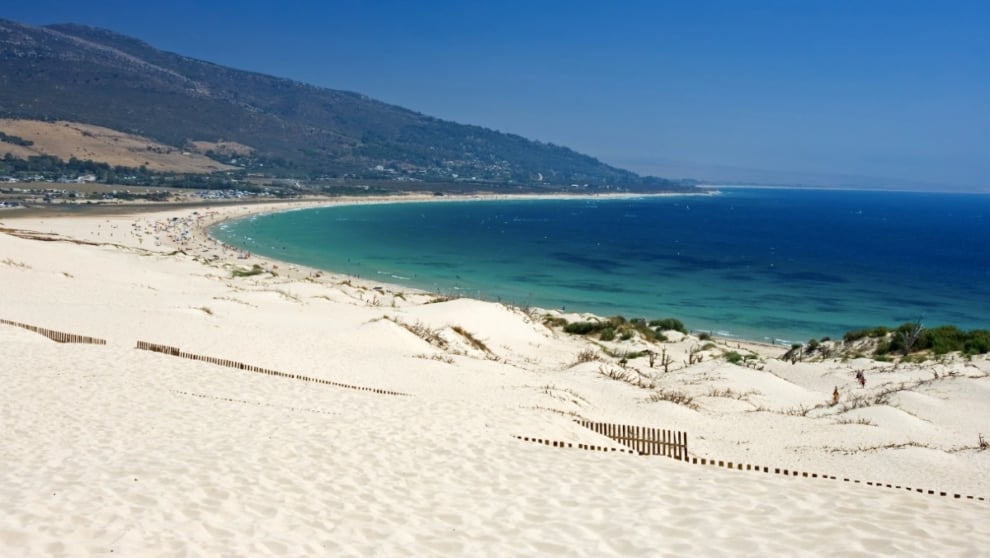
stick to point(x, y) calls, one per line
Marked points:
point(113, 450)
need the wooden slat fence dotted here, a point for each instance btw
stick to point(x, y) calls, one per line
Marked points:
point(57, 336)
point(175, 351)
point(807, 475)
point(644, 440)
point(563, 444)
point(654, 441)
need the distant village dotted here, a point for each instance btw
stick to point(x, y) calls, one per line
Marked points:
point(15, 193)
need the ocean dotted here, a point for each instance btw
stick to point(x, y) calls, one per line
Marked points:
point(763, 264)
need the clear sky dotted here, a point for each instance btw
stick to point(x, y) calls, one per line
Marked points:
point(855, 91)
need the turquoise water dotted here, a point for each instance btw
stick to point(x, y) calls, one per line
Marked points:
point(753, 263)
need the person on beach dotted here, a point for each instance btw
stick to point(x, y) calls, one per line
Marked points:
point(835, 395)
point(861, 378)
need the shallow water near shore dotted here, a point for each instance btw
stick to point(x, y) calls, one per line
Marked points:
point(763, 264)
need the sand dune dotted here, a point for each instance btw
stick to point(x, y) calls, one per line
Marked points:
point(109, 448)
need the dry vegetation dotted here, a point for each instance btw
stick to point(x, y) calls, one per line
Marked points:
point(588, 355)
point(673, 396)
point(221, 147)
point(436, 356)
point(630, 376)
point(87, 142)
point(12, 263)
point(421, 330)
point(474, 341)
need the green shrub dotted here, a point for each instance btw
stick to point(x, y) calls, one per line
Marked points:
point(607, 334)
point(667, 324)
point(977, 342)
point(939, 340)
point(649, 334)
point(16, 140)
point(583, 328)
point(734, 357)
point(873, 332)
point(947, 339)
point(942, 340)
point(851, 336)
point(627, 329)
point(255, 270)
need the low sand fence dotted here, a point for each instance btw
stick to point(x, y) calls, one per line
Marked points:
point(644, 440)
point(57, 336)
point(175, 351)
point(806, 475)
point(561, 444)
point(637, 440)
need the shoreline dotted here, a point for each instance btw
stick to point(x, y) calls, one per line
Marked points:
point(224, 211)
point(109, 447)
point(778, 343)
point(204, 230)
point(237, 210)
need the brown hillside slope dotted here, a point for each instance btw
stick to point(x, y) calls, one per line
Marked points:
point(84, 141)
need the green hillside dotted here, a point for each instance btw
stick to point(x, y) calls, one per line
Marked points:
point(94, 76)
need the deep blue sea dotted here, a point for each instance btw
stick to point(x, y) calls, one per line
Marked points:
point(753, 263)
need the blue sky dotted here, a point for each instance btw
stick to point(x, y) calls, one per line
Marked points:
point(858, 92)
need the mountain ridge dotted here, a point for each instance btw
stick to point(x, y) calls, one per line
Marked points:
point(95, 76)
